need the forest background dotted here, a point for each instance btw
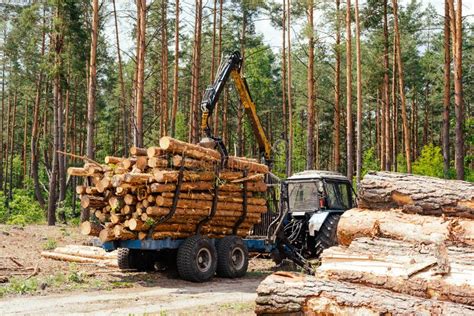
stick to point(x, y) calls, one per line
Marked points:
point(93, 78)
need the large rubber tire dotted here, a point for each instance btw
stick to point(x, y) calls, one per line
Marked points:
point(327, 235)
point(124, 259)
point(134, 259)
point(232, 257)
point(196, 259)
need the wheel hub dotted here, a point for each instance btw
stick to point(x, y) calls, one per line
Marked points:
point(204, 259)
point(237, 257)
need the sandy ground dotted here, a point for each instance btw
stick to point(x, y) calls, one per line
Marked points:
point(47, 287)
point(234, 297)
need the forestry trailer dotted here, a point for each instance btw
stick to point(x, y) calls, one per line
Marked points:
point(303, 210)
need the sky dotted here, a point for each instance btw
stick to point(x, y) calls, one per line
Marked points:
point(271, 36)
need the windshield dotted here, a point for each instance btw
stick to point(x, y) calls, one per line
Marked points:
point(303, 196)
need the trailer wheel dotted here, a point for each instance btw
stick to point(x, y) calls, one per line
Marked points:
point(197, 259)
point(326, 236)
point(134, 259)
point(232, 257)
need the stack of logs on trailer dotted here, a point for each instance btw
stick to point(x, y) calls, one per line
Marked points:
point(175, 190)
point(407, 249)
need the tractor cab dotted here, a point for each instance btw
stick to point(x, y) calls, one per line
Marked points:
point(311, 204)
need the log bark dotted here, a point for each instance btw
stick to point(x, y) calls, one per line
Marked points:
point(137, 151)
point(396, 224)
point(112, 160)
point(403, 267)
point(175, 146)
point(89, 228)
point(156, 162)
point(160, 211)
point(285, 293)
point(203, 204)
point(107, 234)
point(190, 163)
point(79, 172)
point(92, 201)
point(155, 152)
point(185, 186)
point(79, 259)
point(210, 197)
point(86, 252)
point(417, 194)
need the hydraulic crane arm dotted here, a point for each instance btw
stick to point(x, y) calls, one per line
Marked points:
point(231, 68)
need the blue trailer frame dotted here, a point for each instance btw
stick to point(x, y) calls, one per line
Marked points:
point(253, 245)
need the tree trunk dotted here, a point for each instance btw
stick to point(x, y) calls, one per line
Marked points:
point(140, 87)
point(349, 127)
point(447, 90)
point(290, 100)
point(195, 75)
point(219, 52)
point(337, 93)
point(403, 267)
point(387, 136)
point(123, 102)
point(458, 95)
point(395, 109)
point(413, 228)
point(176, 72)
point(417, 194)
point(91, 91)
point(359, 98)
point(164, 67)
point(406, 128)
point(310, 82)
point(283, 90)
point(2, 147)
point(291, 293)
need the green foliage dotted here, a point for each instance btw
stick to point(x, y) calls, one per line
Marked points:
point(401, 163)
point(18, 285)
point(50, 244)
point(24, 209)
point(430, 162)
point(370, 161)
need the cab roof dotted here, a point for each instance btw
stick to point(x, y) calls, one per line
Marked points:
point(317, 174)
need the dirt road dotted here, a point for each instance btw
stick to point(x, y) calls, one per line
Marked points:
point(220, 296)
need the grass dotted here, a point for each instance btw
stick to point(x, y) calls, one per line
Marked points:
point(237, 307)
point(50, 244)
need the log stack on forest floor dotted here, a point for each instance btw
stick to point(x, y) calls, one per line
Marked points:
point(170, 190)
point(407, 249)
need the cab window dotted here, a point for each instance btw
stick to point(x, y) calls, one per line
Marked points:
point(338, 195)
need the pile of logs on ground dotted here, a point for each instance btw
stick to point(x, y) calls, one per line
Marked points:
point(174, 190)
point(407, 249)
point(83, 254)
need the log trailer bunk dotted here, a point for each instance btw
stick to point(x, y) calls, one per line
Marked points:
point(297, 227)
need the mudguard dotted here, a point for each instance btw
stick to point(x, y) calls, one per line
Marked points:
point(315, 222)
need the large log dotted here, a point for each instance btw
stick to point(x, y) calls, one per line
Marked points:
point(79, 259)
point(86, 252)
point(404, 267)
point(220, 197)
point(417, 194)
point(175, 146)
point(80, 172)
point(194, 164)
point(396, 224)
point(160, 211)
point(289, 293)
point(92, 201)
point(89, 228)
point(137, 151)
point(172, 176)
point(204, 204)
point(185, 186)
